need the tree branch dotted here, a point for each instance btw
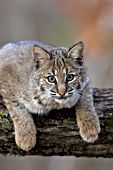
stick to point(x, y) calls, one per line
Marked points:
point(57, 133)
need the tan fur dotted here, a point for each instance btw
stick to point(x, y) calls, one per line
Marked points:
point(27, 70)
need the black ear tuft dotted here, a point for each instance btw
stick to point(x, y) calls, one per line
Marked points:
point(40, 55)
point(76, 52)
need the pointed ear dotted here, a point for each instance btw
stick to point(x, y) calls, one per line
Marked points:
point(40, 55)
point(76, 51)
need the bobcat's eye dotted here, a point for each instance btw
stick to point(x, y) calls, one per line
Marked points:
point(51, 79)
point(70, 77)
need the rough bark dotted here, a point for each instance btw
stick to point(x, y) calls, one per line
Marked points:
point(57, 133)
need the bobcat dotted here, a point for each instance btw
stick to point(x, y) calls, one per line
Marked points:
point(36, 78)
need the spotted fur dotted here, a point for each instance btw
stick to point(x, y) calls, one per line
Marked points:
point(36, 78)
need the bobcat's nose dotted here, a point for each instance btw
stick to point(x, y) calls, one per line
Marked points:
point(61, 90)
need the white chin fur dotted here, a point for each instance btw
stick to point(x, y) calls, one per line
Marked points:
point(61, 101)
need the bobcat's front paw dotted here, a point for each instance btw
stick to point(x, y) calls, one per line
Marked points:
point(26, 136)
point(89, 130)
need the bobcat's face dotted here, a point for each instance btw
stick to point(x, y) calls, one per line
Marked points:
point(59, 75)
point(61, 82)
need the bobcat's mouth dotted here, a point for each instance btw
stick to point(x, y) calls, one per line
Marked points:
point(61, 100)
point(62, 97)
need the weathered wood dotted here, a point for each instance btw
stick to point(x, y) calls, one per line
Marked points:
point(57, 133)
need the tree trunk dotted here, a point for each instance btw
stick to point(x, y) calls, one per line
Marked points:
point(57, 132)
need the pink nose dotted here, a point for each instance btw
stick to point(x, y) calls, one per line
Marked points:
point(61, 89)
point(62, 94)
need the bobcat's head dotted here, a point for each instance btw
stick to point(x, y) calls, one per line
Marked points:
point(59, 74)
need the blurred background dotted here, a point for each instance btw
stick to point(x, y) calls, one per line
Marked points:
point(63, 23)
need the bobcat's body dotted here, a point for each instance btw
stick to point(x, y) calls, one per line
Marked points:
point(36, 78)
